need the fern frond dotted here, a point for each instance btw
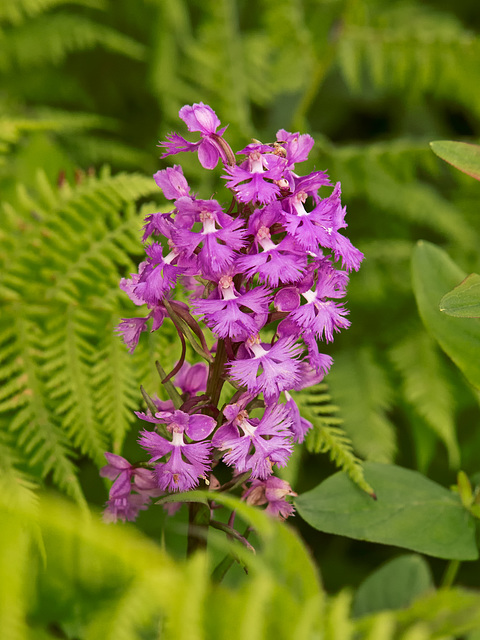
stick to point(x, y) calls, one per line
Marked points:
point(49, 38)
point(412, 50)
point(361, 388)
point(68, 383)
point(427, 389)
point(327, 435)
point(116, 385)
point(20, 10)
point(79, 244)
point(40, 438)
point(13, 127)
point(95, 150)
point(21, 487)
point(68, 355)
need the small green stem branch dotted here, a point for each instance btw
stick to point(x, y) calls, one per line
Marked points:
point(450, 574)
point(198, 522)
point(215, 374)
point(230, 531)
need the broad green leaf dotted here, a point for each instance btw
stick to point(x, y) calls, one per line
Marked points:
point(411, 511)
point(434, 274)
point(395, 585)
point(461, 155)
point(464, 300)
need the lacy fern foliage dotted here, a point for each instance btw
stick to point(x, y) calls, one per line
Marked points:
point(68, 383)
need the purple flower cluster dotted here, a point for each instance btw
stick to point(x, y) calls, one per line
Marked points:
point(266, 276)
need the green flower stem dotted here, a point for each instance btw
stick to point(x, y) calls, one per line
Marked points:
point(230, 531)
point(450, 574)
point(215, 374)
point(198, 522)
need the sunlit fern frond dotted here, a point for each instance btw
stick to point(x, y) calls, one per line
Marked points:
point(68, 382)
point(21, 10)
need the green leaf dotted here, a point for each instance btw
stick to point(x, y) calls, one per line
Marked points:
point(411, 512)
point(434, 273)
point(462, 155)
point(395, 585)
point(464, 300)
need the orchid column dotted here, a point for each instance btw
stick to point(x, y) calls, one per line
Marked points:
point(267, 275)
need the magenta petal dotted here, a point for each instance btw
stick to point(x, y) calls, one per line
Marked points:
point(154, 444)
point(147, 418)
point(108, 472)
point(199, 117)
point(172, 182)
point(200, 427)
point(195, 379)
point(121, 486)
point(144, 480)
point(225, 433)
point(208, 154)
point(287, 299)
point(117, 461)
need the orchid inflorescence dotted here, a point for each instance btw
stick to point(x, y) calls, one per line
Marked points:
point(264, 276)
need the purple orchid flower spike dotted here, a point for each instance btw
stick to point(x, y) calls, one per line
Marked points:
point(255, 289)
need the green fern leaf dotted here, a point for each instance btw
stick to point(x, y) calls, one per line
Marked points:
point(327, 436)
point(20, 10)
point(418, 361)
point(116, 386)
point(41, 441)
point(69, 356)
point(361, 388)
point(60, 34)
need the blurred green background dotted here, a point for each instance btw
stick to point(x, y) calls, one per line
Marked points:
point(89, 87)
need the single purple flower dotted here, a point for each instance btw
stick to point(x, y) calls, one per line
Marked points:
point(297, 146)
point(269, 369)
point(172, 182)
point(121, 471)
point(216, 247)
point(225, 316)
point(256, 445)
point(273, 492)
point(253, 181)
point(187, 462)
point(320, 227)
point(199, 117)
point(123, 504)
point(130, 330)
point(158, 275)
point(192, 379)
point(320, 315)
